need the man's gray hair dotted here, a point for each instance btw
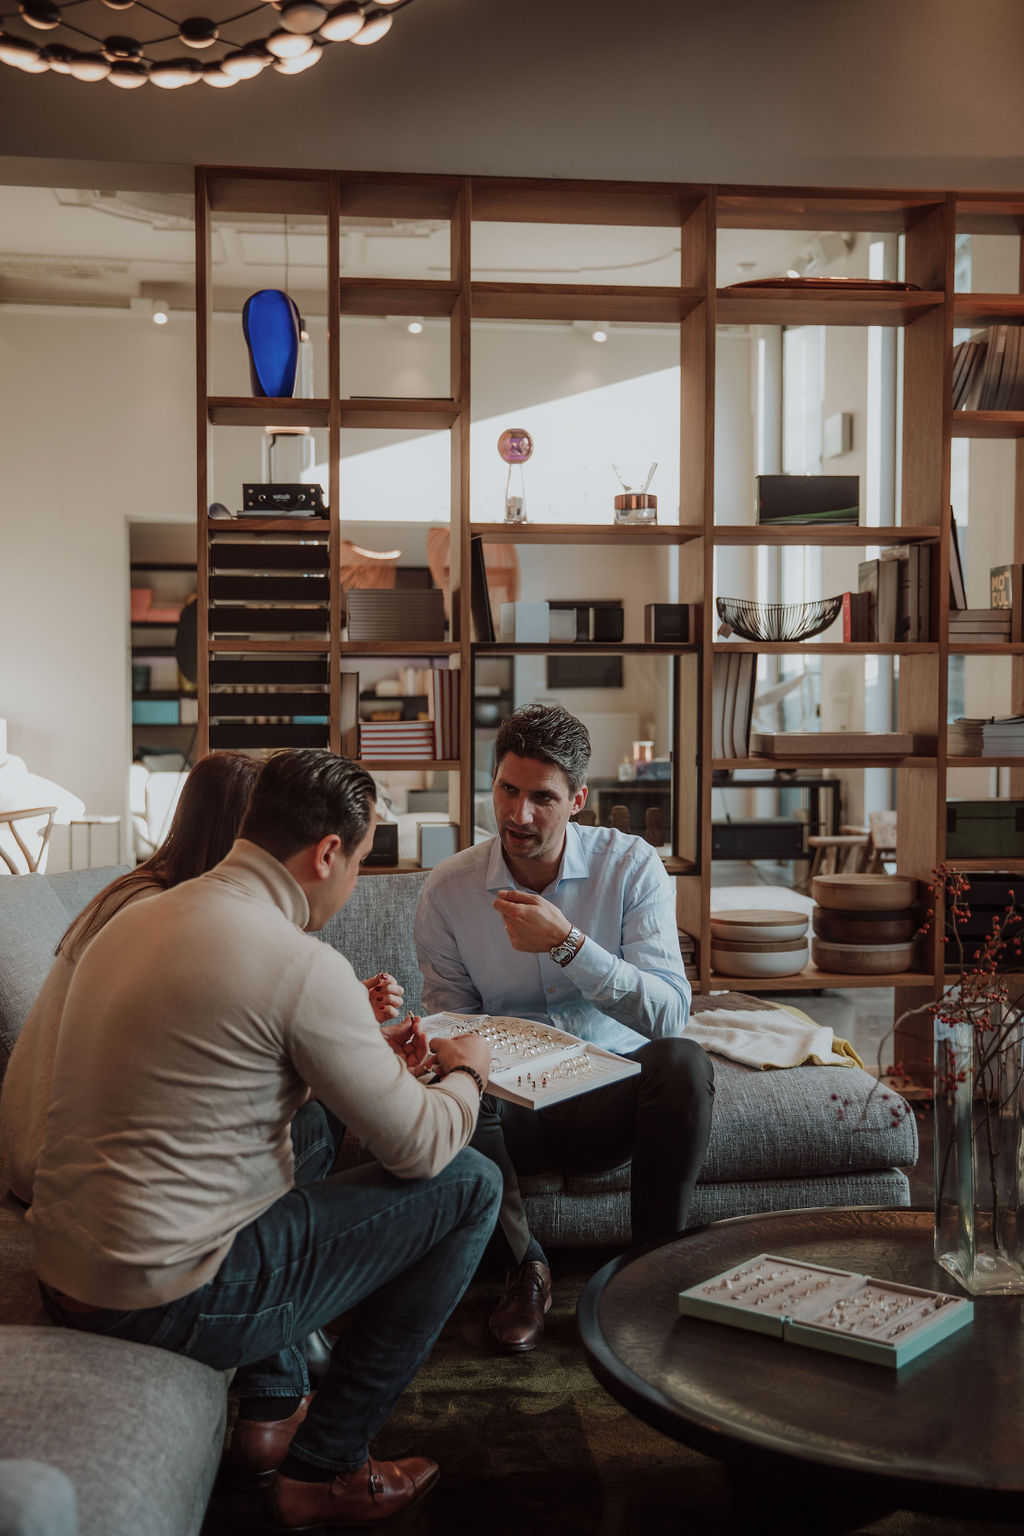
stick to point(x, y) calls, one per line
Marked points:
point(550, 734)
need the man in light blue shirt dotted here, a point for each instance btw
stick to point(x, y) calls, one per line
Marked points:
point(572, 926)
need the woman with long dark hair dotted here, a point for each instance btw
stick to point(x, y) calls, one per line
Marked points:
point(206, 820)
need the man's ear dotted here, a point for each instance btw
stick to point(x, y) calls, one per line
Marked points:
point(579, 800)
point(325, 853)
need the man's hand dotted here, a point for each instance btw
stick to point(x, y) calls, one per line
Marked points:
point(385, 996)
point(532, 923)
point(408, 1040)
point(462, 1051)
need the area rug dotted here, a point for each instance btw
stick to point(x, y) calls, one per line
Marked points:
point(531, 1445)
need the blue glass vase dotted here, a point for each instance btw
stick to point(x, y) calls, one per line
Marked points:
point(270, 323)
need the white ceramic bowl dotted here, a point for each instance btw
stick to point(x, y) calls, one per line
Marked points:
point(757, 924)
point(730, 962)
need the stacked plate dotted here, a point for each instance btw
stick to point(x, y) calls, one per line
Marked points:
point(756, 942)
point(864, 924)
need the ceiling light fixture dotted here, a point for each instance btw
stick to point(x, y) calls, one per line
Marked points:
point(296, 33)
point(161, 312)
point(414, 327)
point(599, 333)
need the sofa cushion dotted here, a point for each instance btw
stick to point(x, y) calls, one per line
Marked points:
point(140, 1429)
point(374, 929)
point(77, 887)
point(32, 920)
point(36, 1500)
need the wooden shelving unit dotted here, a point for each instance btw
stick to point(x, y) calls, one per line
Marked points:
point(927, 313)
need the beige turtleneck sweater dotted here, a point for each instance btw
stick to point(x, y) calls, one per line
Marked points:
point(193, 1027)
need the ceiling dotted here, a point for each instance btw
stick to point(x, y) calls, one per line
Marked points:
point(925, 93)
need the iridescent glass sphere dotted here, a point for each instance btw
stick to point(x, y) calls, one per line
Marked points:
point(515, 445)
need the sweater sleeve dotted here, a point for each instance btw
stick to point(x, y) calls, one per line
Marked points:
point(336, 1047)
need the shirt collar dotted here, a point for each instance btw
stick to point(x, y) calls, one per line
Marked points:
point(574, 865)
point(259, 874)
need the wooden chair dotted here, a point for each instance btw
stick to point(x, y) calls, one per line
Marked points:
point(882, 841)
point(842, 853)
point(32, 860)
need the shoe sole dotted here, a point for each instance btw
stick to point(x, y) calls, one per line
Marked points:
point(321, 1529)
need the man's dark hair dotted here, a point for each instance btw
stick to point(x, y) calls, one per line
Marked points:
point(549, 733)
point(307, 794)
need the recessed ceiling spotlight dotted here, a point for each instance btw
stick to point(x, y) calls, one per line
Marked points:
point(161, 312)
point(600, 333)
point(414, 327)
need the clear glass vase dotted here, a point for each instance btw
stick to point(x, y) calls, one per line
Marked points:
point(979, 1153)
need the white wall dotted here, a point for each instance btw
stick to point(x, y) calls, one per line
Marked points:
point(98, 429)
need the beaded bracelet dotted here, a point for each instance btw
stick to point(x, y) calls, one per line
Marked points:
point(470, 1072)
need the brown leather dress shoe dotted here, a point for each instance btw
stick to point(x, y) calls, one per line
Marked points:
point(258, 1449)
point(517, 1322)
point(377, 1491)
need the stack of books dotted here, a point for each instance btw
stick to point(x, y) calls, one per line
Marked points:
point(963, 737)
point(444, 711)
point(413, 739)
point(1003, 736)
point(898, 584)
point(735, 674)
point(997, 736)
point(979, 626)
point(988, 370)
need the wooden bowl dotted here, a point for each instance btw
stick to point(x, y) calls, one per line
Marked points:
point(862, 959)
point(864, 927)
point(864, 893)
point(761, 924)
point(761, 946)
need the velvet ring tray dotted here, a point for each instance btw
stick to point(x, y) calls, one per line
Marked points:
point(836, 1310)
point(533, 1064)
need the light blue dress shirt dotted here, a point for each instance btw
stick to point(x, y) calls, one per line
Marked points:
point(625, 986)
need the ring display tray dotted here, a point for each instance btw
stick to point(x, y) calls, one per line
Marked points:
point(534, 1064)
point(836, 1310)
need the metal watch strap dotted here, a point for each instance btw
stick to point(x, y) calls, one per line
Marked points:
point(573, 938)
point(470, 1072)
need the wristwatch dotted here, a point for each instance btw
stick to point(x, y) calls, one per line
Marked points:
point(562, 953)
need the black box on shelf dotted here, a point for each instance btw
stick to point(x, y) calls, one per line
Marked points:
point(768, 837)
point(984, 829)
point(667, 623)
point(385, 844)
point(821, 500)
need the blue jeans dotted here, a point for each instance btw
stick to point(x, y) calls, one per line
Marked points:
point(395, 1254)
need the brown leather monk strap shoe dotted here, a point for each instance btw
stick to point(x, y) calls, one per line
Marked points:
point(517, 1322)
point(258, 1449)
point(377, 1491)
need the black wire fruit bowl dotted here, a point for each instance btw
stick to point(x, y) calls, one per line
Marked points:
point(777, 621)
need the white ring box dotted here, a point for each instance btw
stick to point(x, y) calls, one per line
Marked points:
point(836, 1310)
point(533, 1064)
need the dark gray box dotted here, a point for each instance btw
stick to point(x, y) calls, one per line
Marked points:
point(667, 623)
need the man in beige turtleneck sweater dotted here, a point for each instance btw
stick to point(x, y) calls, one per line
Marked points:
point(165, 1208)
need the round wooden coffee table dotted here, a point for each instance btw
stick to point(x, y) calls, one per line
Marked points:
point(943, 1434)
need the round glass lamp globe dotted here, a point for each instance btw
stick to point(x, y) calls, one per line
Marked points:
point(515, 445)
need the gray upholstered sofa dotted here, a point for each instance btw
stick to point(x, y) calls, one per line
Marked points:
point(102, 1438)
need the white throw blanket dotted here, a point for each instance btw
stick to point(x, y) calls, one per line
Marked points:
point(767, 1039)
